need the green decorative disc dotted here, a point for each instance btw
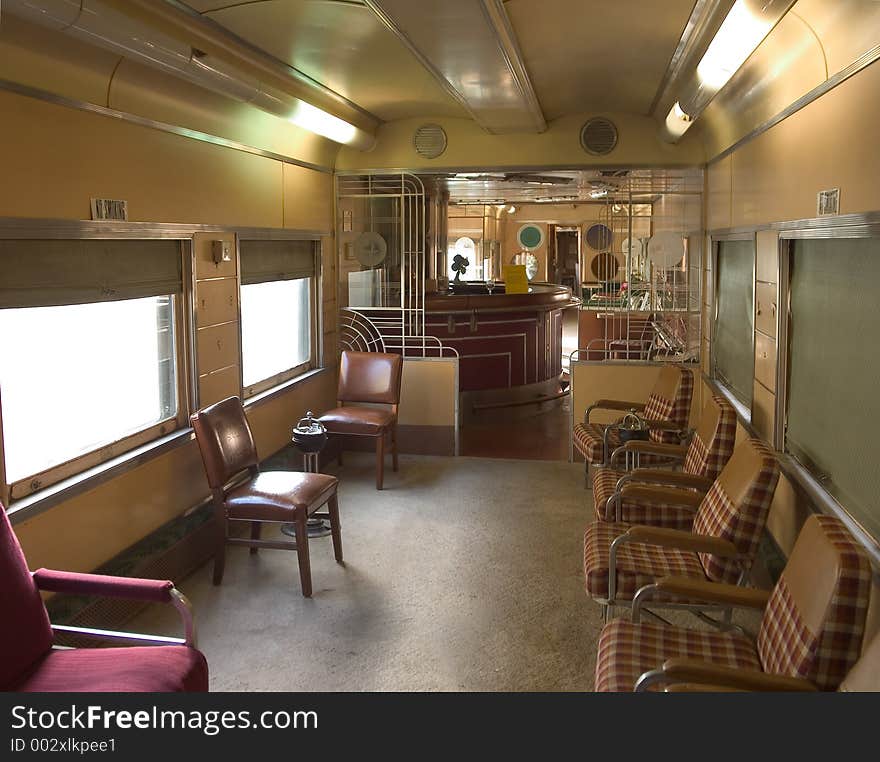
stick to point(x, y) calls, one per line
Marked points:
point(530, 236)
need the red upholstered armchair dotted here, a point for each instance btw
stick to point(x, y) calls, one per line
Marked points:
point(30, 663)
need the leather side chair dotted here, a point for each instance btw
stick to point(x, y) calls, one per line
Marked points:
point(371, 378)
point(274, 497)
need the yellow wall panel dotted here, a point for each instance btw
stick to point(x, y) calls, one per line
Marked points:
point(90, 529)
point(205, 267)
point(765, 308)
point(428, 393)
point(765, 360)
point(763, 411)
point(767, 256)
point(216, 301)
point(55, 159)
point(217, 346)
point(219, 384)
point(308, 199)
point(827, 144)
point(718, 195)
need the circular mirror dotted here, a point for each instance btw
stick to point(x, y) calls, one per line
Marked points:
point(604, 266)
point(599, 237)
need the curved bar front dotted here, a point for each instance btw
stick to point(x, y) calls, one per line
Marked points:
point(504, 341)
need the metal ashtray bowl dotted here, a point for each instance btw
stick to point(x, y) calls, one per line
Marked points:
point(309, 434)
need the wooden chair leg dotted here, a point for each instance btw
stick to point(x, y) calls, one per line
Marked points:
point(394, 447)
point(335, 527)
point(380, 460)
point(302, 553)
point(256, 529)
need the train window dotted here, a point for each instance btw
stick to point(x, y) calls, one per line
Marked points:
point(90, 365)
point(278, 308)
point(733, 357)
point(832, 398)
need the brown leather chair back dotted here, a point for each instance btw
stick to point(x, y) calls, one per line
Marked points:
point(370, 377)
point(814, 622)
point(225, 440)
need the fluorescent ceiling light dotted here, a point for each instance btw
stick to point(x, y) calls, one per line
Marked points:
point(321, 123)
point(739, 35)
point(677, 122)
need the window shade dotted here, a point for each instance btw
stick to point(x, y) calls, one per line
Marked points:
point(264, 261)
point(733, 347)
point(51, 273)
point(833, 402)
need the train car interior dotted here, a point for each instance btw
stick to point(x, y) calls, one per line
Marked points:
point(539, 332)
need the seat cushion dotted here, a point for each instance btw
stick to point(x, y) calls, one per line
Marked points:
point(369, 421)
point(638, 564)
point(589, 443)
point(666, 515)
point(276, 495)
point(628, 650)
point(140, 668)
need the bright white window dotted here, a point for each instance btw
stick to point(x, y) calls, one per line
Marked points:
point(76, 379)
point(275, 332)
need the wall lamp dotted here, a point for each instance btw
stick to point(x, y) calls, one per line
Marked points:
point(744, 28)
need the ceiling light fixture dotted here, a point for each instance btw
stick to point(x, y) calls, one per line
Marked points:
point(744, 28)
point(321, 123)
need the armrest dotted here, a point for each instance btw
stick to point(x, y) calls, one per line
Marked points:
point(666, 449)
point(613, 405)
point(686, 498)
point(681, 539)
point(100, 584)
point(700, 688)
point(155, 590)
point(695, 671)
point(709, 592)
point(662, 425)
point(664, 477)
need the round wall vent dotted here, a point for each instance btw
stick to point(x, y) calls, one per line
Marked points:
point(429, 141)
point(599, 136)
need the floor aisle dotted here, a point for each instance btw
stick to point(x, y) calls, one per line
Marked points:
point(463, 574)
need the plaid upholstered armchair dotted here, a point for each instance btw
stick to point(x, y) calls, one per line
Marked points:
point(703, 458)
point(810, 635)
point(666, 411)
point(30, 663)
point(729, 519)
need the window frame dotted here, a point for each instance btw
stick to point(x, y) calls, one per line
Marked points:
point(745, 411)
point(843, 227)
point(11, 492)
point(316, 310)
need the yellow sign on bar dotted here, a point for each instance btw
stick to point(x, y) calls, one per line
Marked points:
point(515, 280)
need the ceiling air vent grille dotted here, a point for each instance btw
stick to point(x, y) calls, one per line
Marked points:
point(599, 136)
point(430, 141)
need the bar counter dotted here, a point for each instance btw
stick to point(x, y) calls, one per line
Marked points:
point(504, 341)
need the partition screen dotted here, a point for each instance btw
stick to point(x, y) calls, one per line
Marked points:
point(833, 400)
point(733, 336)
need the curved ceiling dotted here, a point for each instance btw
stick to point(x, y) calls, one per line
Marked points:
point(342, 45)
point(597, 56)
point(417, 59)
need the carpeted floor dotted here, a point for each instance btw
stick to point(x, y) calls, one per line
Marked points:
point(464, 574)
